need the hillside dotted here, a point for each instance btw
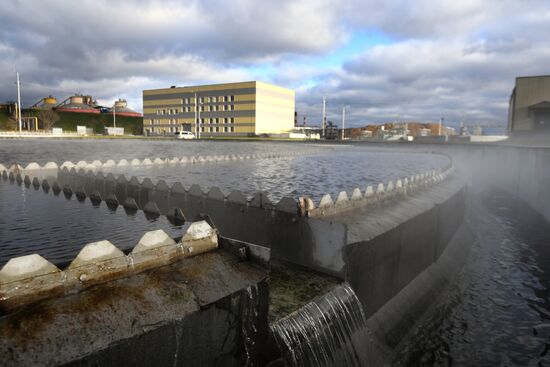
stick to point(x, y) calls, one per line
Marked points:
point(69, 120)
point(5, 122)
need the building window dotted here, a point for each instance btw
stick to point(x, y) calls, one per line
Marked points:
point(232, 120)
point(186, 100)
point(207, 99)
point(232, 107)
point(200, 99)
point(232, 98)
point(231, 129)
point(214, 108)
point(217, 120)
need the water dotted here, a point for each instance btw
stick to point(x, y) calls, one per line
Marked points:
point(60, 150)
point(312, 175)
point(329, 331)
point(327, 169)
point(498, 312)
point(32, 221)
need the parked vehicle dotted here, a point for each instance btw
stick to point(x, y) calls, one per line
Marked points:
point(187, 135)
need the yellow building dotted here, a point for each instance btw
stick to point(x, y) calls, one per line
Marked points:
point(234, 109)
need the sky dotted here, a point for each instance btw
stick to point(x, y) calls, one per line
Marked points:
point(384, 61)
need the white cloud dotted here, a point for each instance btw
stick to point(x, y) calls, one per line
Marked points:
point(448, 58)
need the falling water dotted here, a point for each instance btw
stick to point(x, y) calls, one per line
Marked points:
point(329, 331)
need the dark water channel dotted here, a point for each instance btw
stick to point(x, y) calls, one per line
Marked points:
point(498, 312)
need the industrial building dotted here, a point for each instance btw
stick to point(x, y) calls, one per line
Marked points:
point(84, 104)
point(78, 103)
point(530, 105)
point(121, 109)
point(234, 109)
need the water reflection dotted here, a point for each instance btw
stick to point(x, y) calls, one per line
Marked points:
point(314, 175)
point(498, 313)
point(32, 221)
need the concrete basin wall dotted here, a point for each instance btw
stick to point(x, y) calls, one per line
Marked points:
point(206, 310)
point(389, 246)
point(521, 171)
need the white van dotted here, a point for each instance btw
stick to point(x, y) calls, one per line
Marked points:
point(185, 135)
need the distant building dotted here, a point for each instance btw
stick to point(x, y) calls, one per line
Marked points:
point(9, 108)
point(530, 105)
point(235, 109)
point(78, 103)
point(121, 109)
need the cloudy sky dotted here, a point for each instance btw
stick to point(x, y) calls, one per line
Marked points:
point(397, 59)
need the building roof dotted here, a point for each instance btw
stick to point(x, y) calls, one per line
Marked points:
point(544, 105)
point(533, 76)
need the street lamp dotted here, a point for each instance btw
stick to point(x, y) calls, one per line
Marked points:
point(114, 119)
point(198, 117)
point(19, 103)
point(344, 122)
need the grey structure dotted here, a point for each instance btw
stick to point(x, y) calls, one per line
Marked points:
point(530, 105)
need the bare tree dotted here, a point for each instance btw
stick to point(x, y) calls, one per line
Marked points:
point(48, 118)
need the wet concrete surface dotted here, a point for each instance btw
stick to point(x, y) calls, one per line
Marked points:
point(291, 287)
point(198, 311)
point(497, 312)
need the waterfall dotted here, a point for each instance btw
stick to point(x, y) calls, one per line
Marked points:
point(329, 331)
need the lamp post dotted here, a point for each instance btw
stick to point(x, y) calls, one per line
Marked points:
point(114, 119)
point(324, 117)
point(199, 136)
point(19, 103)
point(197, 117)
point(343, 122)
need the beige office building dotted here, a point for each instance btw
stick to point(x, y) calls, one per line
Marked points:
point(530, 105)
point(233, 109)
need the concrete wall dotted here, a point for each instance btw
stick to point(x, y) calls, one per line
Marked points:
point(274, 109)
point(521, 171)
point(390, 246)
point(184, 314)
point(529, 91)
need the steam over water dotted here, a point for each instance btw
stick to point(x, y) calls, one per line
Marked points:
point(498, 312)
